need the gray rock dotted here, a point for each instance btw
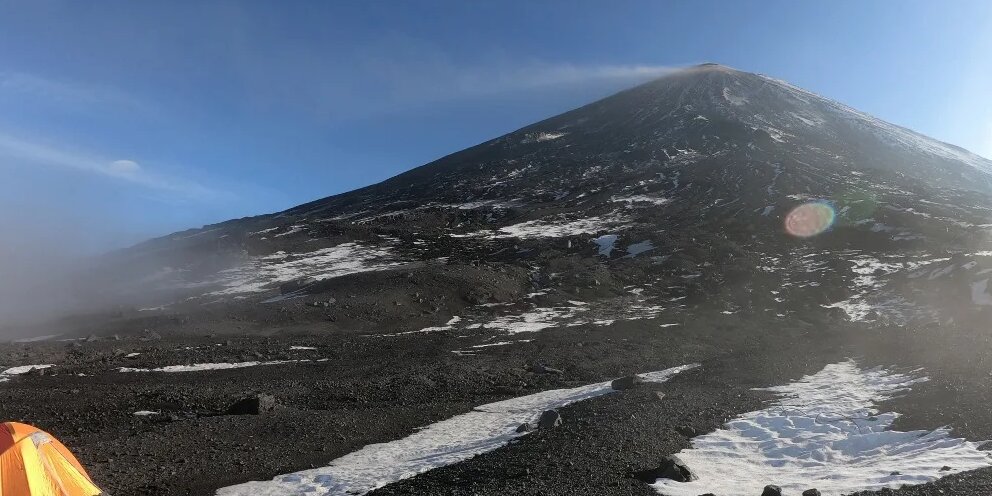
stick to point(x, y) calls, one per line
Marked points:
point(671, 467)
point(253, 405)
point(772, 490)
point(811, 492)
point(525, 427)
point(628, 382)
point(549, 420)
point(544, 369)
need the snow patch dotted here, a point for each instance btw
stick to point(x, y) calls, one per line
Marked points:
point(551, 229)
point(443, 443)
point(638, 248)
point(825, 431)
point(501, 343)
point(605, 243)
point(21, 370)
point(292, 230)
point(535, 320)
point(543, 136)
point(733, 99)
point(446, 327)
point(198, 367)
point(262, 273)
point(630, 200)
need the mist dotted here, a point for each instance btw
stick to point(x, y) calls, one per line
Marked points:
point(47, 263)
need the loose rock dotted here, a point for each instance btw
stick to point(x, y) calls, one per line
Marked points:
point(626, 382)
point(549, 420)
point(253, 405)
point(540, 368)
point(772, 490)
point(671, 467)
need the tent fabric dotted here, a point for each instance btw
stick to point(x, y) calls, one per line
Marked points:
point(33, 463)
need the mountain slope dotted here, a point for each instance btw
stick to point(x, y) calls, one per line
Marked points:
point(677, 189)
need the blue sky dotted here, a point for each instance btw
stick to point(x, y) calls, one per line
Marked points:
point(123, 120)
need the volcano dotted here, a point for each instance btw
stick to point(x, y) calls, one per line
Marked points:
point(728, 189)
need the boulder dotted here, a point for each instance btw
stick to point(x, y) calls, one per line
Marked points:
point(626, 382)
point(771, 490)
point(256, 404)
point(811, 492)
point(549, 420)
point(671, 467)
point(525, 427)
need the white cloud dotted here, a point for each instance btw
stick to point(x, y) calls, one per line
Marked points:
point(124, 167)
point(15, 151)
point(64, 93)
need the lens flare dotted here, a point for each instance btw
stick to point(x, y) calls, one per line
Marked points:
point(809, 219)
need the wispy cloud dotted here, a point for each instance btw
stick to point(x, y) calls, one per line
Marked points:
point(397, 72)
point(396, 85)
point(16, 151)
point(64, 93)
point(453, 82)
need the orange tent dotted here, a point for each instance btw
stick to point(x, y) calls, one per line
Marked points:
point(33, 463)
